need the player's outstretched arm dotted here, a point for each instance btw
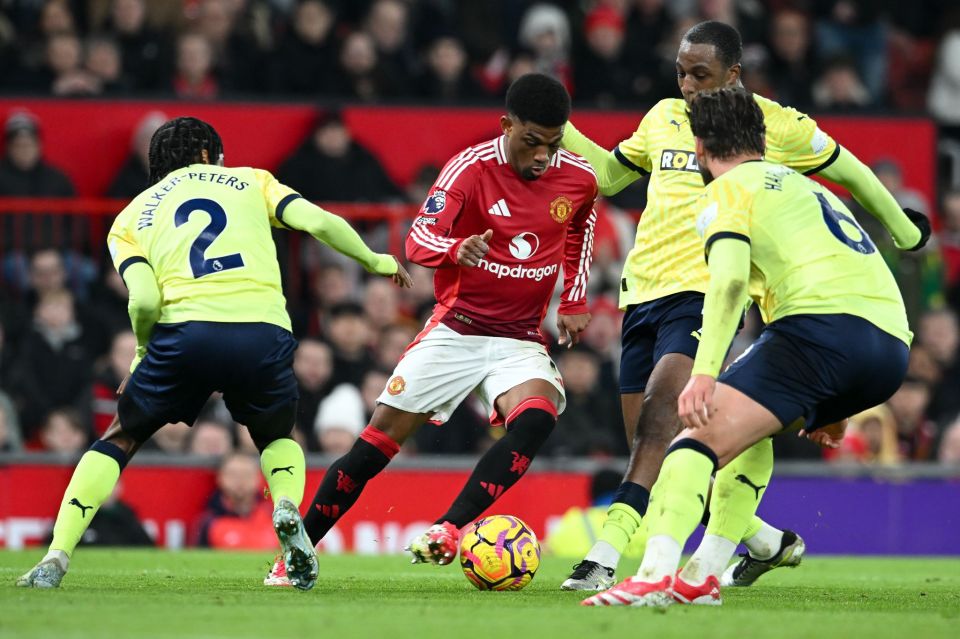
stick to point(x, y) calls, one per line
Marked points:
point(143, 305)
point(612, 175)
point(910, 230)
point(724, 302)
point(336, 232)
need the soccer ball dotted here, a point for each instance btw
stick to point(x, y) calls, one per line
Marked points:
point(499, 553)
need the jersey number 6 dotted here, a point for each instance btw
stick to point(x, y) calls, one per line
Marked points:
point(833, 217)
point(200, 264)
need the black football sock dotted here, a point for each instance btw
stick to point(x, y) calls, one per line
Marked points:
point(344, 480)
point(528, 427)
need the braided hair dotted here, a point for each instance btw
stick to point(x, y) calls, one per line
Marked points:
point(178, 143)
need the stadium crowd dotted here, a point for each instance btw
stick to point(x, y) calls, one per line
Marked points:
point(65, 343)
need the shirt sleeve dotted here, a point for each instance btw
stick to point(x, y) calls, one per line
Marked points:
point(795, 140)
point(124, 250)
point(429, 242)
point(276, 195)
point(578, 256)
point(634, 152)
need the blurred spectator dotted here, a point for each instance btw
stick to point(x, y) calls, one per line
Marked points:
point(791, 67)
point(381, 303)
point(391, 344)
point(10, 440)
point(313, 367)
point(306, 59)
point(143, 50)
point(939, 334)
point(647, 23)
point(361, 76)
point(23, 171)
point(602, 77)
point(853, 28)
point(839, 88)
point(420, 186)
point(171, 438)
point(237, 516)
point(107, 377)
point(104, 64)
point(210, 439)
point(330, 166)
point(63, 432)
point(388, 26)
point(64, 69)
point(944, 96)
point(350, 335)
point(890, 174)
point(132, 178)
point(447, 78)
point(950, 242)
point(747, 17)
point(373, 384)
point(545, 31)
point(590, 424)
point(949, 452)
point(340, 419)
point(915, 432)
point(239, 34)
point(54, 365)
point(871, 438)
point(109, 297)
point(194, 78)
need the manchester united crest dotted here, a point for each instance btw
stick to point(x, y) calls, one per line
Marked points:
point(396, 385)
point(561, 209)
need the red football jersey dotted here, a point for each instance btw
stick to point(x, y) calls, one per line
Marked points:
point(538, 226)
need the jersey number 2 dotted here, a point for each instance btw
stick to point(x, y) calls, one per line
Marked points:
point(833, 217)
point(201, 264)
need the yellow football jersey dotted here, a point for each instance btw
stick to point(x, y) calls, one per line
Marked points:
point(667, 255)
point(807, 252)
point(205, 232)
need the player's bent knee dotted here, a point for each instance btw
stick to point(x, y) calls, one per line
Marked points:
point(536, 416)
point(266, 428)
point(696, 445)
point(135, 423)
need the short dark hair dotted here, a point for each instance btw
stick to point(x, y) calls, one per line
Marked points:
point(540, 99)
point(178, 143)
point(729, 121)
point(725, 38)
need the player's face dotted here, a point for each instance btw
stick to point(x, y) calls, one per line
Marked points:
point(699, 69)
point(530, 147)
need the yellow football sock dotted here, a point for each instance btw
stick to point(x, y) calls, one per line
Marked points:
point(621, 523)
point(284, 468)
point(92, 482)
point(679, 496)
point(737, 491)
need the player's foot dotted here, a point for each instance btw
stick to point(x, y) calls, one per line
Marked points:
point(589, 575)
point(278, 574)
point(48, 573)
point(299, 556)
point(635, 592)
point(436, 546)
point(706, 594)
point(748, 569)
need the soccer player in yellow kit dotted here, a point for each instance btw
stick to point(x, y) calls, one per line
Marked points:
point(662, 289)
point(196, 253)
point(836, 340)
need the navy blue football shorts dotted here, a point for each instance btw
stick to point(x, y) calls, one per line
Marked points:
point(251, 363)
point(656, 328)
point(822, 368)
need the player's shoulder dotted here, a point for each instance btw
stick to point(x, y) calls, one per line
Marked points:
point(661, 113)
point(575, 166)
point(779, 115)
point(472, 162)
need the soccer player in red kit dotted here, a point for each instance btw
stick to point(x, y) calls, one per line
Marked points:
point(499, 224)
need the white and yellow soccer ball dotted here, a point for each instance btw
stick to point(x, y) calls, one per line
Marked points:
point(499, 552)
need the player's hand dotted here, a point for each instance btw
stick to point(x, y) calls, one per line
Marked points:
point(570, 327)
point(694, 403)
point(473, 249)
point(921, 222)
point(123, 384)
point(828, 436)
point(401, 278)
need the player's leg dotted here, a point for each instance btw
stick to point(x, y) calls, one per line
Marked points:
point(346, 478)
point(531, 414)
point(679, 498)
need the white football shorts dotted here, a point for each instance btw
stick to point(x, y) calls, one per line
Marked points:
point(438, 372)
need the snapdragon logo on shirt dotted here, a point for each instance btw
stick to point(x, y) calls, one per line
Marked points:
point(517, 272)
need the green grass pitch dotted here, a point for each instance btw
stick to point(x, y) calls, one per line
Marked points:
point(120, 593)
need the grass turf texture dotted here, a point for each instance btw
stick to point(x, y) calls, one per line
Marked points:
point(205, 594)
